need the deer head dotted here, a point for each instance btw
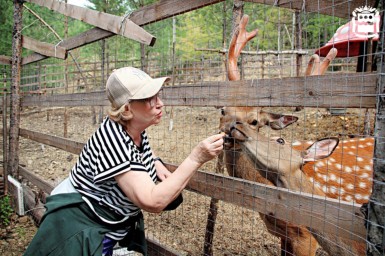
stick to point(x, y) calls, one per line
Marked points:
point(275, 160)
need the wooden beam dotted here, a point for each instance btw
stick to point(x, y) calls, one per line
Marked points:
point(73, 147)
point(147, 15)
point(5, 60)
point(357, 90)
point(115, 24)
point(333, 216)
point(342, 9)
point(44, 48)
point(268, 52)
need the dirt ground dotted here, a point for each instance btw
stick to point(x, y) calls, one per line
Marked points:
point(238, 231)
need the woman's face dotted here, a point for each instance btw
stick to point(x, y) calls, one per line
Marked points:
point(147, 111)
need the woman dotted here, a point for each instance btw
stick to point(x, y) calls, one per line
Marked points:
point(116, 176)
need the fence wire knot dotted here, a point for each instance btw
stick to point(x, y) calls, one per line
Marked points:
point(125, 17)
point(56, 45)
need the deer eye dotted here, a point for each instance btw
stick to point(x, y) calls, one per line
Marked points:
point(281, 141)
point(222, 111)
point(254, 122)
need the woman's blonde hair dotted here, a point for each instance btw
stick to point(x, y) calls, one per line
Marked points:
point(121, 115)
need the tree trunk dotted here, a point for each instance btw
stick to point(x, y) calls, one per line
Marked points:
point(13, 162)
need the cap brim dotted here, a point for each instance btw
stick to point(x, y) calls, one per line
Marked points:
point(150, 89)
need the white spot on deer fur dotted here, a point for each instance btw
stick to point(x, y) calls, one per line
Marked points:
point(346, 147)
point(361, 146)
point(333, 177)
point(320, 164)
point(331, 159)
point(369, 143)
point(348, 169)
point(333, 190)
point(356, 168)
point(296, 143)
point(358, 196)
point(342, 191)
point(353, 147)
point(359, 159)
point(351, 153)
point(364, 175)
point(348, 198)
point(365, 197)
point(339, 166)
point(350, 186)
point(362, 139)
point(324, 189)
point(323, 177)
point(310, 142)
point(362, 185)
point(368, 167)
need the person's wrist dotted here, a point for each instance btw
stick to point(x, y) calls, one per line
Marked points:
point(195, 160)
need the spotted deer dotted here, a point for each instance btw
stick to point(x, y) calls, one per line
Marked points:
point(294, 239)
point(345, 175)
point(329, 168)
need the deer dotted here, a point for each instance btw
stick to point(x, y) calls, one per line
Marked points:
point(260, 117)
point(294, 239)
point(328, 167)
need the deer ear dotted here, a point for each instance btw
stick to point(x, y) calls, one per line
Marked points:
point(320, 149)
point(278, 122)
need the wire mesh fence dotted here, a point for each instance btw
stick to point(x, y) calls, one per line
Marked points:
point(284, 199)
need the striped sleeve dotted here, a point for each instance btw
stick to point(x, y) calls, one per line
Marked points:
point(115, 155)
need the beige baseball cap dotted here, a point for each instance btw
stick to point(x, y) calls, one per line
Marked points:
point(129, 83)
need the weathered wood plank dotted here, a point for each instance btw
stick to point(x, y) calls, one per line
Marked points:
point(44, 48)
point(115, 24)
point(147, 15)
point(337, 8)
point(335, 217)
point(36, 180)
point(5, 60)
point(338, 90)
point(54, 141)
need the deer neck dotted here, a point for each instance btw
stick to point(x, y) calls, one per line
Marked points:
point(278, 163)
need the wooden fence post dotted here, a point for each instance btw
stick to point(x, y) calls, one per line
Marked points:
point(13, 161)
point(5, 135)
point(375, 209)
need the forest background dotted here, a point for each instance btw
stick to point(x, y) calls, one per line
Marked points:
point(208, 28)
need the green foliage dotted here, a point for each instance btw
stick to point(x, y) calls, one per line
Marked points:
point(6, 26)
point(202, 28)
point(5, 210)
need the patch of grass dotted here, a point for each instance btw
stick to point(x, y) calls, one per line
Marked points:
point(5, 210)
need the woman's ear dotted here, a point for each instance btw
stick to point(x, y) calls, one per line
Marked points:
point(127, 113)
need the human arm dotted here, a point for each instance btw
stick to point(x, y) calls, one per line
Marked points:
point(151, 197)
point(161, 170)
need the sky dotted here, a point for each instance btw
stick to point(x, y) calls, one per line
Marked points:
point(78, 2)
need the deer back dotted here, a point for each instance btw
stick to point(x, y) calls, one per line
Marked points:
point(347, 173)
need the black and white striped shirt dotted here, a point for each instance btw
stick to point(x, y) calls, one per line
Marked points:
point(109, 152)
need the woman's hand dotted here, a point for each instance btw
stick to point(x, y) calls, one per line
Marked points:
point(207, 149)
